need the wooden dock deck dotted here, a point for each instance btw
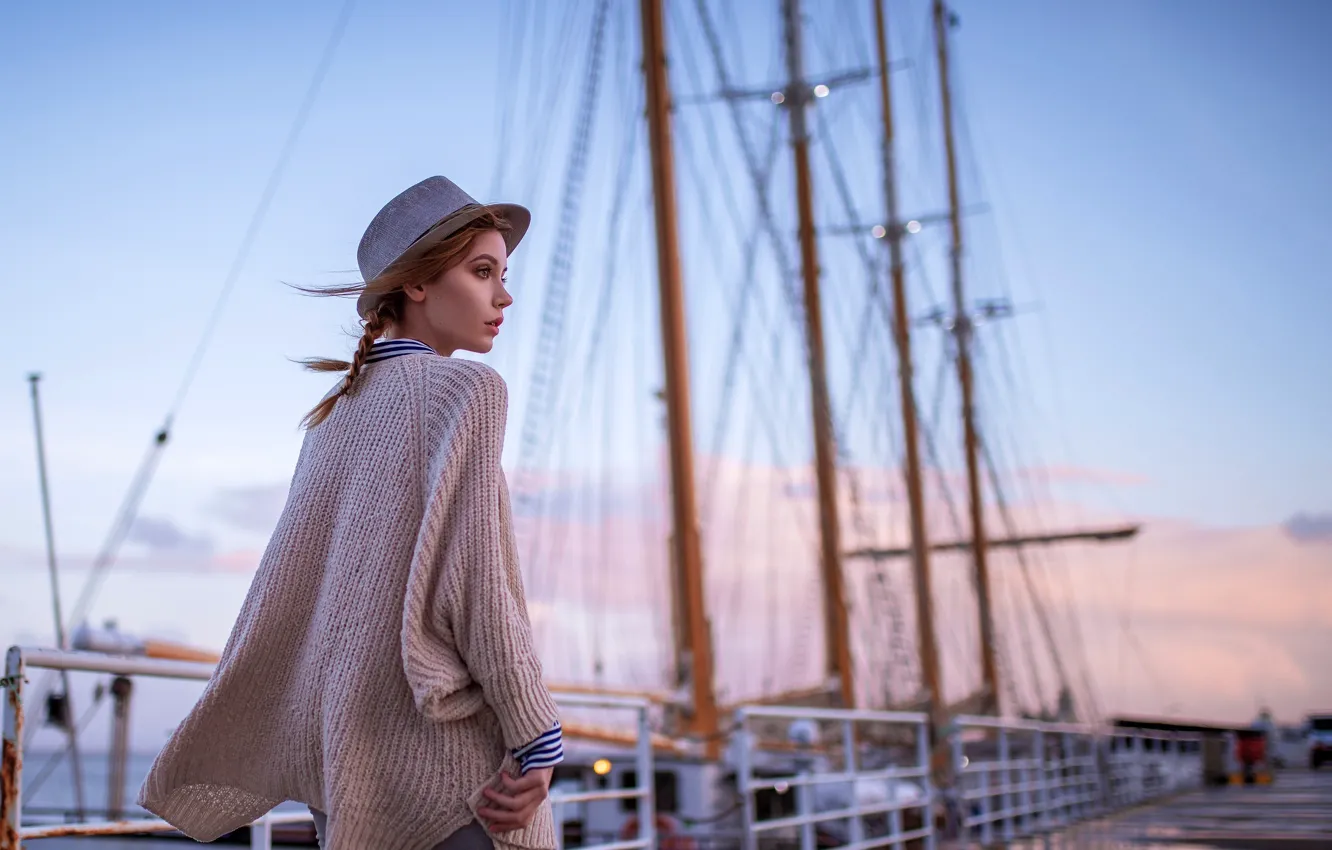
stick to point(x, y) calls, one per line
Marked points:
point(1292, 813)
point(1295, 811)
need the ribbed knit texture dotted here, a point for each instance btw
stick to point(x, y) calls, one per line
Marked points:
point(382, 668)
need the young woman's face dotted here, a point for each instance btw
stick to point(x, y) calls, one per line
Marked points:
point(463, 308)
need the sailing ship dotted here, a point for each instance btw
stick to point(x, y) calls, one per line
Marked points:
point(847, 622)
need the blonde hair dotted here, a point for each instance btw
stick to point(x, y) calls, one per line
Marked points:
point(426, 268)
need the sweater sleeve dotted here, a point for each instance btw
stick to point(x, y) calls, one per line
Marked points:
point(476, 603)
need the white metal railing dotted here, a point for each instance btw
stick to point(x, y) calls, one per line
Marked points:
point(1016, 779)
point(857, 818)
point(20, 659)
point(643, 788)
point(1142, 765)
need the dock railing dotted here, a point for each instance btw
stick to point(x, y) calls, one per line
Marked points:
point(20, 660)
point(1016, 779)
point(1144, 765)
point(837, 751)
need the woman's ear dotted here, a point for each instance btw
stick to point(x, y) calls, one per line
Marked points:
point(415, 291)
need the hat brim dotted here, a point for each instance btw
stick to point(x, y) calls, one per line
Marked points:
point(518, 217)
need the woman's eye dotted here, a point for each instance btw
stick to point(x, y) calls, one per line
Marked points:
point(484, 272)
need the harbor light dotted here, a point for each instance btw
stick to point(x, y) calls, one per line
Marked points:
point(778, 98)
point(878, 231)
point(601, 767)
point(820, 90)
point(913, 226)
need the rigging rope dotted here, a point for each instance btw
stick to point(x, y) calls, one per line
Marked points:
point(599, 323)
point(737, 353)
point(139, 486)
point(601, 320)
point(261, 210)
point(1074, 625)
point(760, 174)
point(548, 103)
point(927, 435)
point(875, 297)
point(547, 366)
point(128, 510)
point(760, 186)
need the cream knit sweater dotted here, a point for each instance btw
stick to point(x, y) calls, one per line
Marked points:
point(382, 667)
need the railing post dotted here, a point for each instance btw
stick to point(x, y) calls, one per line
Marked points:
point(1201, 775)
point(956, 804)
point(894, 820)
point(1042, 783)
point(805, 808)
point(1116, 780)
point(647, 822)
point(1025, 797)
point(986, 824)
point(856, 827)
point(744, 767)
point(1064, 785)
point(1113, 750)
point(1139, 788)
point(926, 783)
point(1086, 774)
point(1006, 777)
point(122, 687)
point(1170, 762)
point(11, 768)
point(1071, 776)
point(261, 834)
point(1101, 771)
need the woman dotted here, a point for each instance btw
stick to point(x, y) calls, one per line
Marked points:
point(382, 668)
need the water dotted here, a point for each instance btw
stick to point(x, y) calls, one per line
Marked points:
point(52, 800)
point(54, 795)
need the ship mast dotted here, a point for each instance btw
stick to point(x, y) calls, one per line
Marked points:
point(694, 661)
point(836, 622)
point(962, 329)
point(920, 550)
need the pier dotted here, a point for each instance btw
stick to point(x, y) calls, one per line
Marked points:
point(854, 779)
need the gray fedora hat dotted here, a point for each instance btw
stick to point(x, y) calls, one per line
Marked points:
point(420, 218)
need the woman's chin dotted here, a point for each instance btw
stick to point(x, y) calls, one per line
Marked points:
point(481, 346)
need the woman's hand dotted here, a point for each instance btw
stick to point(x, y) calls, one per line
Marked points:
point(516, 801)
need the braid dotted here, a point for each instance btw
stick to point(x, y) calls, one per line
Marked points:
point(374, 326)
point(375, 322)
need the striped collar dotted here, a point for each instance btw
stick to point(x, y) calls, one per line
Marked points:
point(386, 349)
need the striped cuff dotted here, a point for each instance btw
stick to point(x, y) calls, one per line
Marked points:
point(546, 751)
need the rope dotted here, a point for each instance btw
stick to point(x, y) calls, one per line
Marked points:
point(261, 210)
point(760, 186)
point(547, 365)
point(129, 507)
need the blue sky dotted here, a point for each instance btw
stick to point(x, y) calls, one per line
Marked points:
point(1156, 176)
point(1185, 276)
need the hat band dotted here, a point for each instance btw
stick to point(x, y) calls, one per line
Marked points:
point(445, 220)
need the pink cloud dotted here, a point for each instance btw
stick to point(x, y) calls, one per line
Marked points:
point(1190, 597)
point(1085, 475)
point(1177, 588)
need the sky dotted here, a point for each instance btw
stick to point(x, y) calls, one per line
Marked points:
point(1156, 186)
